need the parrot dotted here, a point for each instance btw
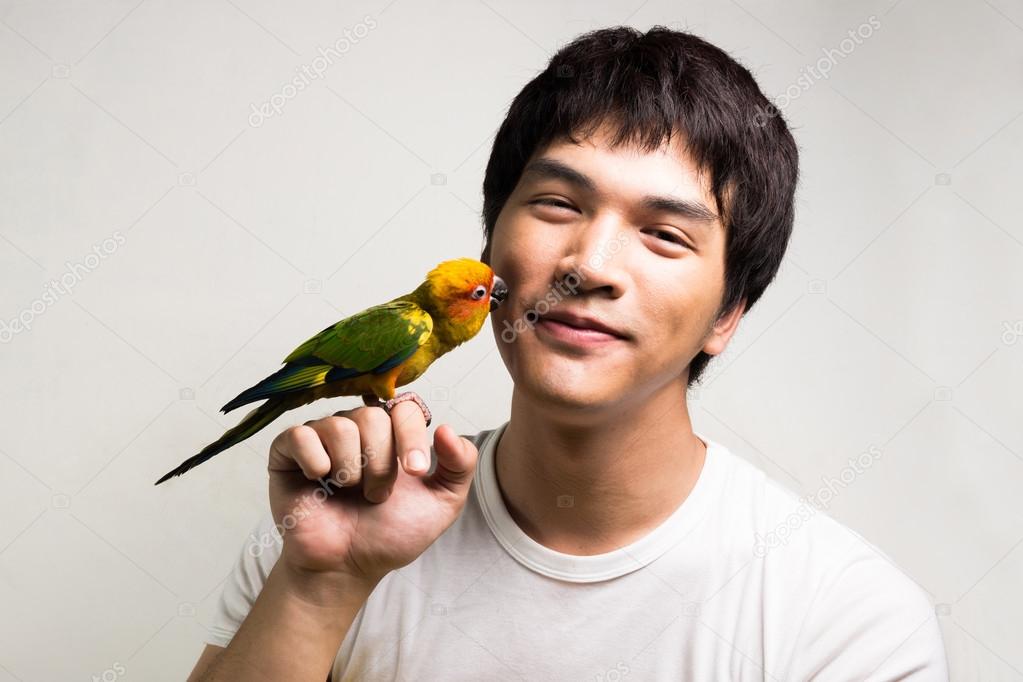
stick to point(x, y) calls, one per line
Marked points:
point(371, 352)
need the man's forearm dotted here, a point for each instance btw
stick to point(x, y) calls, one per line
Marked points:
point(294, 629)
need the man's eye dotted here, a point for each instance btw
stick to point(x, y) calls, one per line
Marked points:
point(553, 202)
point(669, 236)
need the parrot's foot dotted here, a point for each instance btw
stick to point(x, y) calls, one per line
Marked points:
point(409, 395)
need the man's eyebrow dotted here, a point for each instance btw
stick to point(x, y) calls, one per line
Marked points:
point(683, 208)
point(545, 168)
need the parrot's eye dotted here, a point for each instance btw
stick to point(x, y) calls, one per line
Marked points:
point(479, 292)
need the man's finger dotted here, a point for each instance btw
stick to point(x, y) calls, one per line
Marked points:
point(411, 439)
point(299, 447)
point(381, 468)
point(341, 438)
point(456, 459)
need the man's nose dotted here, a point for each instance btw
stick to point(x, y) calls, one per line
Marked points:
point(596, 254)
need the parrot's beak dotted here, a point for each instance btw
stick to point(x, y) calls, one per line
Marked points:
point(498, 292)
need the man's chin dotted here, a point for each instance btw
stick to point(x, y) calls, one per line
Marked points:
point(573, 395)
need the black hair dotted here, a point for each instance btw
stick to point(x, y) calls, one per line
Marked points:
point(650, 86)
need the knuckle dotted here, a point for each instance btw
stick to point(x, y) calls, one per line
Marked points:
point(368, 458)
point(319, 468)
point(296, 436)
point(345, 475)
point(376, 418)
point(340, 427)
point(375, 462)
point(409, 414)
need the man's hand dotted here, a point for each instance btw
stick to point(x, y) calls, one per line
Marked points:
point(354, 503)
point(337, 543)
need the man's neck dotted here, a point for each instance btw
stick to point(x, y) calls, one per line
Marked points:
point(590, 487)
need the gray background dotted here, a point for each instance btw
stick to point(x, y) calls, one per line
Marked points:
point(896, 321)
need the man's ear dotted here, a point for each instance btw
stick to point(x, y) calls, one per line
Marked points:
point(723, 330)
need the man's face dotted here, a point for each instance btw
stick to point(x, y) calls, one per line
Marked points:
point(637, 265)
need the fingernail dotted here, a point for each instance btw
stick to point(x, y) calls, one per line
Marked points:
point(417, 460)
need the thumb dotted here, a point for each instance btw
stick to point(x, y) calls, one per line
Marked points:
point(456, 459)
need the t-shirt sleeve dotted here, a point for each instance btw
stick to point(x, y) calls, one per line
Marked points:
point(239, 590)
point(869, 621)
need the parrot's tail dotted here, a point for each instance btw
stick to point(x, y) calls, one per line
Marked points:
point(253, 422)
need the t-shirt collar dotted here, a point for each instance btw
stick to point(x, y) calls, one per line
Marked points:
point(597, 567)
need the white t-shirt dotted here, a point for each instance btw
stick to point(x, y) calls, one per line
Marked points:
point(710, 594)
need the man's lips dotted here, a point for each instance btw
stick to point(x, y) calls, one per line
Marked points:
point(583, 321)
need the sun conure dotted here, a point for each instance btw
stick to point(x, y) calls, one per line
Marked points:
point(371, 352)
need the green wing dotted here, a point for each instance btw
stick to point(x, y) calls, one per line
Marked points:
point(375, 340)
point(372, 340)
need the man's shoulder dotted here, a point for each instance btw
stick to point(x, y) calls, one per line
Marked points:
point(852, 601)
point(780, 518)
point(798, 531)
point(864, 607)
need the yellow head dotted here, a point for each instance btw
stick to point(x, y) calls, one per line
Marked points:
point(458, 294)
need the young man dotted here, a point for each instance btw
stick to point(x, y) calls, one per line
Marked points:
point(638, 200)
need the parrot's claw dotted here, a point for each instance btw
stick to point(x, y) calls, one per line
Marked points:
point(409, 395)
